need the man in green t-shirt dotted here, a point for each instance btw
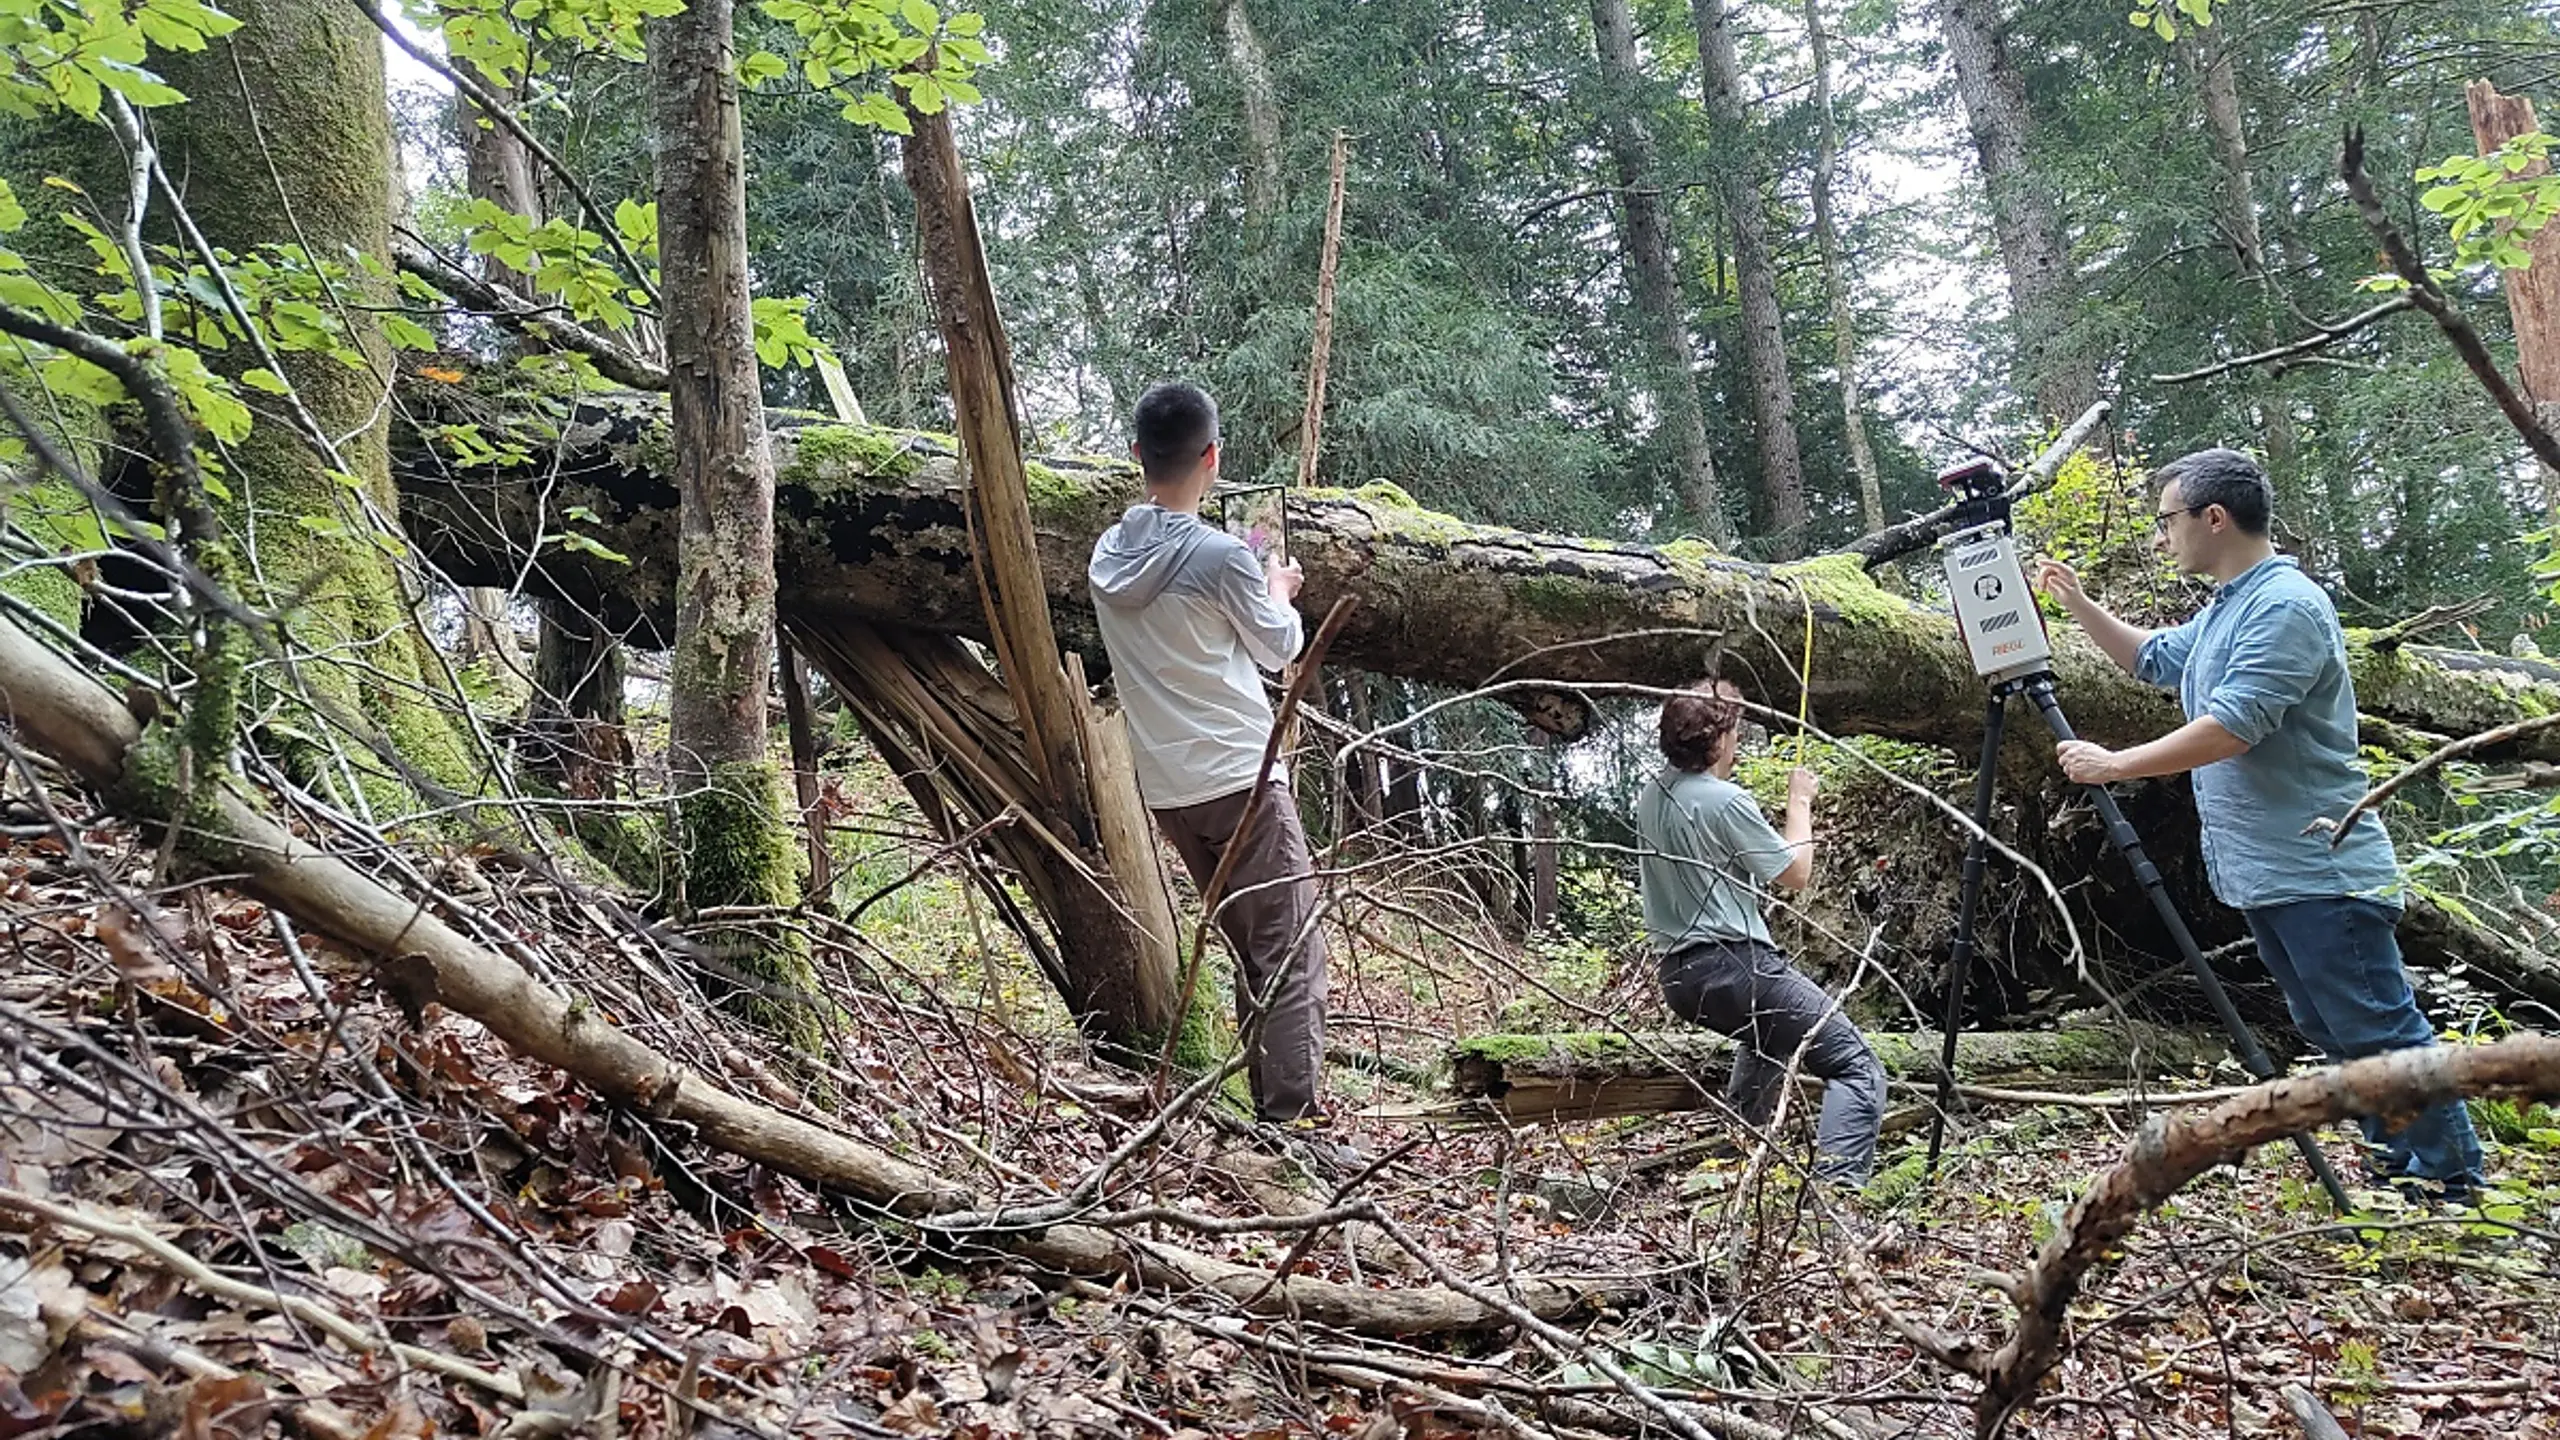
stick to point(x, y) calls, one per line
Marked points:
point(1709, 857)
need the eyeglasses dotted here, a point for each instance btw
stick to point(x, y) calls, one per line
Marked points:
point(2160, 522)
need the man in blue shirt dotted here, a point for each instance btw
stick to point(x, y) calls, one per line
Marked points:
point(2270, 736)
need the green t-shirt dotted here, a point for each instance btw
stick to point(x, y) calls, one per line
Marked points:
point(1709, 855)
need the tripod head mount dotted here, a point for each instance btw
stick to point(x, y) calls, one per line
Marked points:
point(1981, 492)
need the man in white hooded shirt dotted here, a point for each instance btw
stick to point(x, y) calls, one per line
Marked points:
point(1187, 613)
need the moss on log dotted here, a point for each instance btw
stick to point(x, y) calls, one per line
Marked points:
point(1594, 1076)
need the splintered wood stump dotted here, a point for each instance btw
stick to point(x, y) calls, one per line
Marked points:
point(1535, 1078)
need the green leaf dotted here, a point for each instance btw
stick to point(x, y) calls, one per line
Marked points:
point(407, 334)
point(139, 86)
point(761, 68)
point(13, 216)
point(576, 543)
point(920, 15)
point(637, 222)
point(259, 377)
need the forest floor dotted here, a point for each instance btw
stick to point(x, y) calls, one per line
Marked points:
point(243, 1193)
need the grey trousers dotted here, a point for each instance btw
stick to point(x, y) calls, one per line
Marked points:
point(1269, 919)
point(1749, 991)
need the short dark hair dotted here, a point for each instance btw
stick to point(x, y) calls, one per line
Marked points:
point(1174, 425)
point(1694, 721)
point(2226, 478)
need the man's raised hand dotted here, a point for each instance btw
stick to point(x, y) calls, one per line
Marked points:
point(2060, 581)
point(1284, 580)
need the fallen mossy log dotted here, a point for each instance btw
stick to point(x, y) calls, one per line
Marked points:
point(869, 524)
point(67, 714)
point(1599, 1075)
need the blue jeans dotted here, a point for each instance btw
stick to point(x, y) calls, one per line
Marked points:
point(2338, 963)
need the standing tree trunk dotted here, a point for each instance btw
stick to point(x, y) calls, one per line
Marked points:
point(1826, 234)
point(285, 139)
point(1655, 285)
point(2063, 380)
point(2219, 87)
point(1114, 920)
point(1764, 342)
point(738, 849)
point(2533, 293)
point(1261, 115)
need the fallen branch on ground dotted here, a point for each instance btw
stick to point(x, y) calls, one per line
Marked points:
point(240, 1292)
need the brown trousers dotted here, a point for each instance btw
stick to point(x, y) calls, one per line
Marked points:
point(1269, 919)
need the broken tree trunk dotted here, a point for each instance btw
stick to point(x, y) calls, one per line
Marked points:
point(1113, 918)
point(2533, 293)
point(1597, 1076)
point(870, 526)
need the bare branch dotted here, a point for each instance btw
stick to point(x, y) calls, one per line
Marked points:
point(1921, 531)
point(2470, 744)
point(2326, 336)
point(2174, 1150)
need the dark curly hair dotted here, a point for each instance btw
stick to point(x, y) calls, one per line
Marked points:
point(1694, 722)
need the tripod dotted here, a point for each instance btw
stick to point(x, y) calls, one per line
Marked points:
point(1995, 610)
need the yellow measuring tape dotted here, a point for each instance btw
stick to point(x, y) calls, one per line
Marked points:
point(1804, 680)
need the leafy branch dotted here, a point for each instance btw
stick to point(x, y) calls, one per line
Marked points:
point(2425, 294)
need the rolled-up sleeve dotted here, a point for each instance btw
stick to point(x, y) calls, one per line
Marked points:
point(2276, 657)
point(1271, 631)
point(2163, 657)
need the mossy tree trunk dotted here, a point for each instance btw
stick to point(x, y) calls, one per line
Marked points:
point(50, 514)
point(871, 525)
point(737, 844)
point(285, 140)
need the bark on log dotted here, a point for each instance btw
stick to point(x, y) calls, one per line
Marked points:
point(1535, 1078)
point(70, 716)
point(869, 526)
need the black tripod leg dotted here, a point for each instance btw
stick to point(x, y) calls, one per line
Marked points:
point(1960, 961)
point(2244, 1042)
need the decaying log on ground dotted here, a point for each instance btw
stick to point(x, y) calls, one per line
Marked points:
point(67, 714)
point(1533, 1078)
point(870, 526)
